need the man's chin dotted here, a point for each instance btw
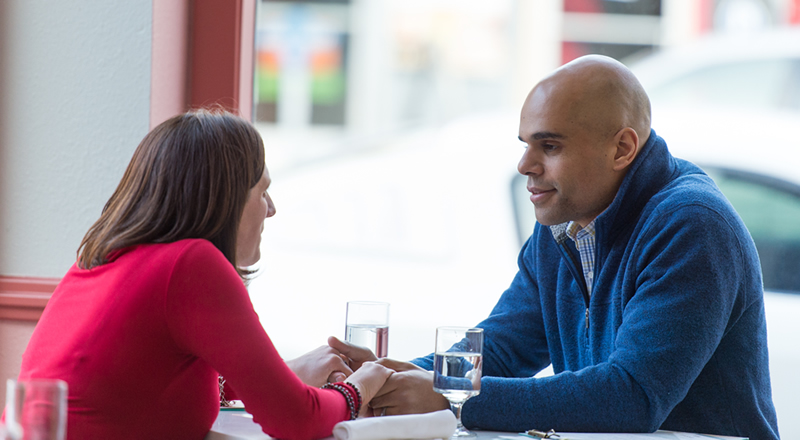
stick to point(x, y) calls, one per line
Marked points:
point(546, 220)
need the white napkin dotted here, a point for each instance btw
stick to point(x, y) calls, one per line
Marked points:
point(438, 424)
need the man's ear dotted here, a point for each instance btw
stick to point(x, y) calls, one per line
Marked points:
point(627, 144)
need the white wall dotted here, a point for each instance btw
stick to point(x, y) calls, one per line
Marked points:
point(75, 103)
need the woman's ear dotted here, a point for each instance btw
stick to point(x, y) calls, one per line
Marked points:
point(627, 144)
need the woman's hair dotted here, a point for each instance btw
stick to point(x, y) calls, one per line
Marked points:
point(189, 178)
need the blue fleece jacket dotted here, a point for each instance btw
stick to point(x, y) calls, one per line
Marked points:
point(673, 336)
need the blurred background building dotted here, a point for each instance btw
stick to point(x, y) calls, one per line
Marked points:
point(330, 72)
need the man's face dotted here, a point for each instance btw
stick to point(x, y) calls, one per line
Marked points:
point(568, 159)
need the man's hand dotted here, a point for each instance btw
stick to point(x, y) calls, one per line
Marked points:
point(320, 366)
point(355, 354)
point(408, 391)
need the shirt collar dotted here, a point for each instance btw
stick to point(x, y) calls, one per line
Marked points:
point(576, 232)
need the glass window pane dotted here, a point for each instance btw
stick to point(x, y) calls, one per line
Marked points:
point(771, 214)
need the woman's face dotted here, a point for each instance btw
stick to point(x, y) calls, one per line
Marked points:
point(258, 207)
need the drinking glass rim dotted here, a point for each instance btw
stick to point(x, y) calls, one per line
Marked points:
point(39, 381)
point(464, 329)
point(371, 303)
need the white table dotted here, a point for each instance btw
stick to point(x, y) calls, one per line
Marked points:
point(239, 425)
point(236, 425)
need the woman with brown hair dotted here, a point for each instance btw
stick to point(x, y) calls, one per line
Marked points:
point(155, 309)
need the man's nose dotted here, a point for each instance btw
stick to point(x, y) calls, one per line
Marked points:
point(529, 163)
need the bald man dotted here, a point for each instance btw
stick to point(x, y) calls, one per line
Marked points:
point(640, 284)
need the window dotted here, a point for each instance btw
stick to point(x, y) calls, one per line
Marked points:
point(770, 208)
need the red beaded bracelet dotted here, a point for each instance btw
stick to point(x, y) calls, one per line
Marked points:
point(358, 394)
point(348, 390)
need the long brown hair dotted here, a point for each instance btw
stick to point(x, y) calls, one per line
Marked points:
point(189, 178)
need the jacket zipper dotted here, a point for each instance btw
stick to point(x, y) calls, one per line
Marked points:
point(573, 268)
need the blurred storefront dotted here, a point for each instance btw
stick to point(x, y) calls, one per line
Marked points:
point(633, 28)
point(332, 74)
point(301, 62)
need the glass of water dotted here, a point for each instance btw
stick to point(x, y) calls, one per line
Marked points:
point(457, 365)
point(36, 409)
point(367, 325)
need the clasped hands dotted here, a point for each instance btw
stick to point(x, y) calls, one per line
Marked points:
point(406, 389)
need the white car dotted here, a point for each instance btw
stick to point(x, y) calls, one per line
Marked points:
point(432, 222)
point(730, 100)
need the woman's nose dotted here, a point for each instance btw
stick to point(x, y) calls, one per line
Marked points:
point(270, 207)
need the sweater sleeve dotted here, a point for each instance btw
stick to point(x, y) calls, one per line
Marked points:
point(210, 316)
point(683, 288)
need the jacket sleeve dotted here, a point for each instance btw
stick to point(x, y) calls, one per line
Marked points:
point(210, 316)
point(684, 287)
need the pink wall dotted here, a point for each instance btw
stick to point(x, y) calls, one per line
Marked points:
point(22, 300)
point(221, 55)
point(203, 55)
point(169, 60)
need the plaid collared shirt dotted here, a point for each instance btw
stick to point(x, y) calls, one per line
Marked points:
point(584, 241)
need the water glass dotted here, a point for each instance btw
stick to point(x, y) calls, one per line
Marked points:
point(36, 409)
point(367, 325)
point(457, 367)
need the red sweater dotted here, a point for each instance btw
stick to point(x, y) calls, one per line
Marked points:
point(140, 340)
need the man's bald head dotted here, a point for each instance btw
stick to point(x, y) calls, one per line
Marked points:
point(584, 126)
point(599, 93)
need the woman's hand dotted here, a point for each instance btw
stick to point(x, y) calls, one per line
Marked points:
point(320, 366)
point(369, 379)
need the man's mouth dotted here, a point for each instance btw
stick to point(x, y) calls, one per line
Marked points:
point(539, 194)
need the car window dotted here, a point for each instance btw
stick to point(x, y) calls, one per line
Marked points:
point(758, 83)
point(769, 207)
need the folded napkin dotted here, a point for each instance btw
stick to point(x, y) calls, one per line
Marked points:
point(439, 424)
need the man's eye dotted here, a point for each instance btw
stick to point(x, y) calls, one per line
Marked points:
point(549, 147)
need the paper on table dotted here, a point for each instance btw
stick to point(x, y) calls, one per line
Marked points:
point(658, 435)
point(439, 424)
